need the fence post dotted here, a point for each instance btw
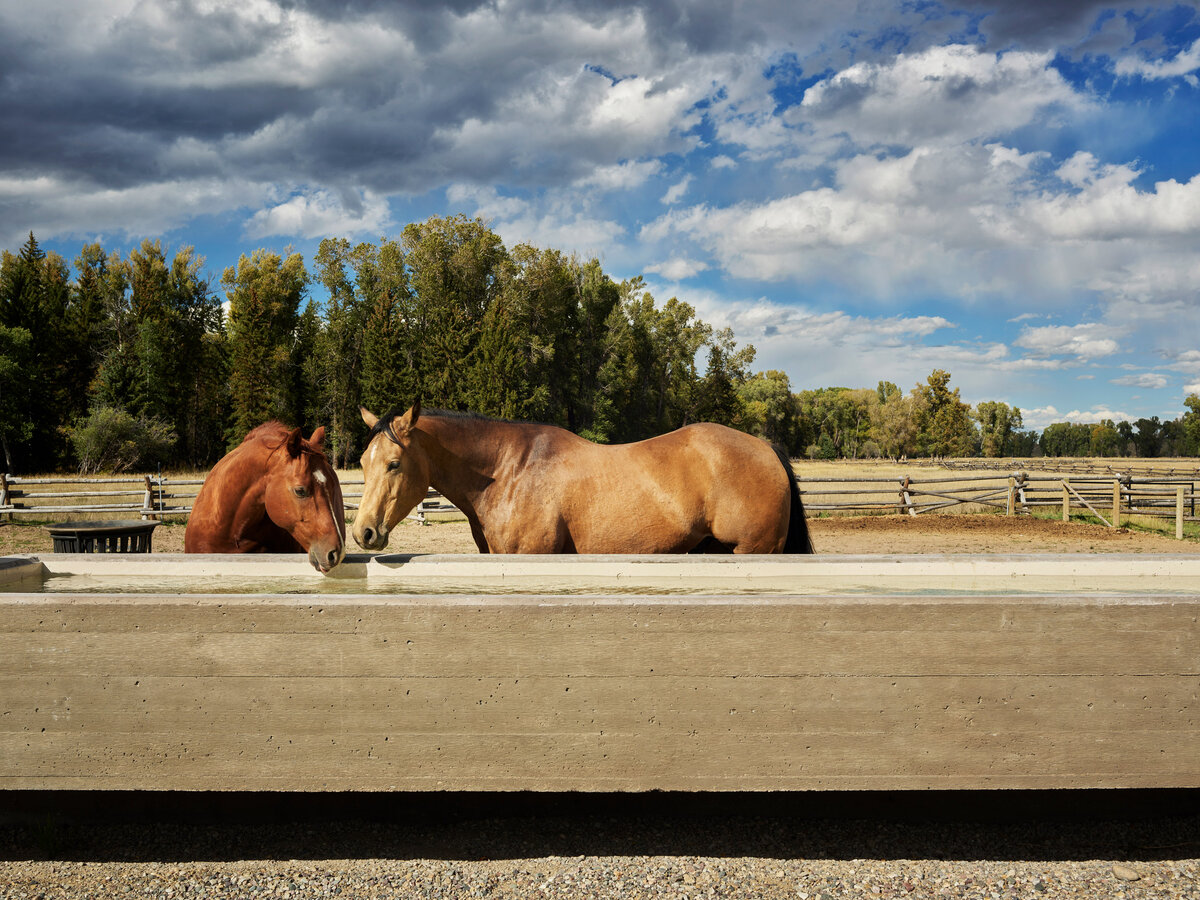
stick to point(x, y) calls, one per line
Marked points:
point(905, 497)
point(1116, 520)
point(1066, 498)
point(148, 500)
point(4, 493)
point(1179, 513)
point(1012, 494)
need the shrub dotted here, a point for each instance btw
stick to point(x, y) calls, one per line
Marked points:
point(113, 440)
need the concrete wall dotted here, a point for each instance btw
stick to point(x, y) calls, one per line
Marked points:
point(622, 692)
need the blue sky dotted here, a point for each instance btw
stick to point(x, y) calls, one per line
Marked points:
point(865, 191)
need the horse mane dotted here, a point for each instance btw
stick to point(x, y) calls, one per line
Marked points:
point(272, 435)
point(384, 424)
point(266, 430)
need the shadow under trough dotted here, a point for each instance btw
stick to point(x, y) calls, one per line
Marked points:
point(182, 826)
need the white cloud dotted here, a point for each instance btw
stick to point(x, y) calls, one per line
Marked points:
point(1186, 361)
point(761, 319)
point(934, 207)
point(1084, 342)
point(942, 95)
point(678, 268)
point(51, 206)
point(548, 221)
point(1096, 414)
point(574, 122)
point(321, 213)
point(1108, 207)
point(1193, 388)
point(1152, 380)
point(1185, 62)
point(931, 216)
point(1039, 417)
point(969, 221)
point(676, 191)
point(620, 177)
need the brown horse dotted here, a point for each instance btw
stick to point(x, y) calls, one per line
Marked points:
point(540, 489)
point(273, 493)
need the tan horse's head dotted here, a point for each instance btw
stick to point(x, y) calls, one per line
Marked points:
point(303, 497)
point(395, 476)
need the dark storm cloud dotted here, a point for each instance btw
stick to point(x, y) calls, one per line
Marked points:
point(109, 107)
point(410, 96)
point(1043, 24)
point(105, 109)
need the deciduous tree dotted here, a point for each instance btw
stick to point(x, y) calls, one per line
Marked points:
point(943, 420)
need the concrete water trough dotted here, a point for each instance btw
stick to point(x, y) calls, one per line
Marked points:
point(487, 673)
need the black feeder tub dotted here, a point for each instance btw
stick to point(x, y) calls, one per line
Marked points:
point(114, 536)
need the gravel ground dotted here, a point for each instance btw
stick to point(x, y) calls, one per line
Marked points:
point(610, 856)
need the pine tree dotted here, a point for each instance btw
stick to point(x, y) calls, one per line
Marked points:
point(35, 297)
point(264, 293)
point(454, 274)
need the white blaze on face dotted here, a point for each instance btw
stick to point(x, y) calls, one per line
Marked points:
point(336, 523)
point(319, 478)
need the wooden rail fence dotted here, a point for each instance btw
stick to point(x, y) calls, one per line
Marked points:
point(147, 496)
point(1068, 465)
point(1110, 498)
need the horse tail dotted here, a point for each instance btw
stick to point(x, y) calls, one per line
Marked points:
point(797, 540)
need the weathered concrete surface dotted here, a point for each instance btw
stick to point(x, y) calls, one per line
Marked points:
point(1032, 573)
point(833, 689)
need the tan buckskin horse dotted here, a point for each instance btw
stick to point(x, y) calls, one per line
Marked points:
point(273, 493)
point(529, 488)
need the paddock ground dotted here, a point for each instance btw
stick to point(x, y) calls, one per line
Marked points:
point(949, 533)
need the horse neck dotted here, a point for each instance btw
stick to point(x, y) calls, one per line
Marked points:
point(462, 454)
point(243, 488)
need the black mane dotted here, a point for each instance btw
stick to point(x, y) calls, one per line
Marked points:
point(384, 424)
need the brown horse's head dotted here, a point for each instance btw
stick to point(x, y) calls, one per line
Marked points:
point(303, 497)
point(395, 476)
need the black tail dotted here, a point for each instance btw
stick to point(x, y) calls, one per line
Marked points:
point(798, 540)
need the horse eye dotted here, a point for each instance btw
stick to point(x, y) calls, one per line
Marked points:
point(300, 492)
point(393, 465)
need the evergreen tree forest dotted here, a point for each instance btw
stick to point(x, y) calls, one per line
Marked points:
point(114, 363)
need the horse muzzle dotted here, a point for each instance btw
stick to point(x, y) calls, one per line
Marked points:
point(371, 538)
point(325, 558)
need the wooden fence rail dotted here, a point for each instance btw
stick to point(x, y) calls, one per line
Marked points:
point(158, 496)
point(1060, 464)
point(1111, 498)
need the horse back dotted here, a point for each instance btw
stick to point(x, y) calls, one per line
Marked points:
point(668, 493)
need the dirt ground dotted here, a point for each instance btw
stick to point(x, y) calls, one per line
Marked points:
point(955, 533)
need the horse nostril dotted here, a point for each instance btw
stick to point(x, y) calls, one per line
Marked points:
point(332, 558)
point(368, 536)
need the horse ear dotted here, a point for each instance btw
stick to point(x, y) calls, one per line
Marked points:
point(367, 416)
point(405, 423)
point(293, 442)
point(317, 440)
